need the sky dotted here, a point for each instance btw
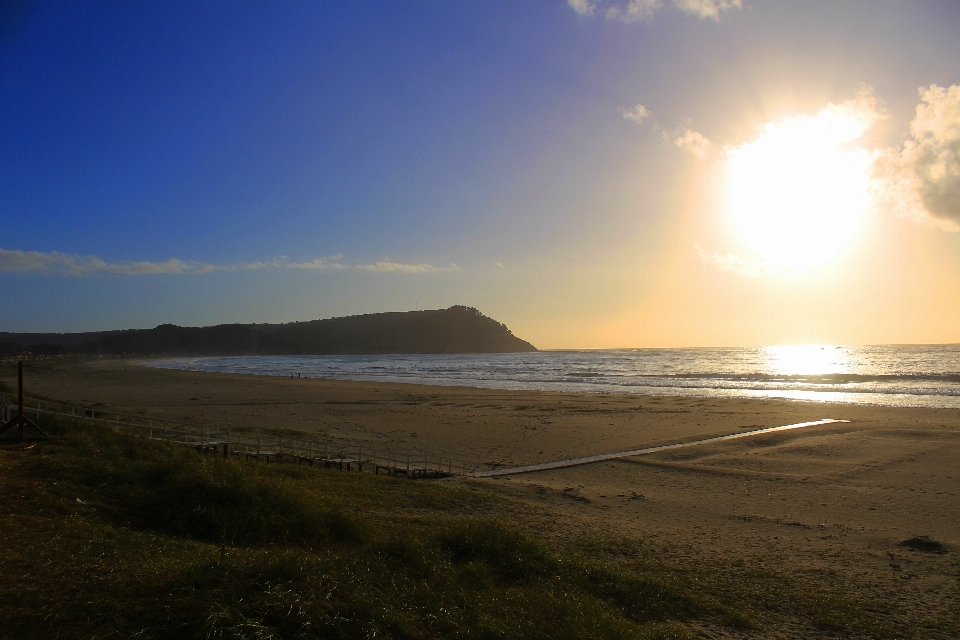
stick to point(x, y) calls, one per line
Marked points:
point(593, 173)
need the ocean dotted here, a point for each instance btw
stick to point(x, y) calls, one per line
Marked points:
point(891, 375)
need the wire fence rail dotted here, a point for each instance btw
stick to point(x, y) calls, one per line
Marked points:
point(255, 445)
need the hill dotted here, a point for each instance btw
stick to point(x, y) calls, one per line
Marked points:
point(458, 329)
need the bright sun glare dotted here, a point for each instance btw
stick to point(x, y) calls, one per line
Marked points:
point(799, 192)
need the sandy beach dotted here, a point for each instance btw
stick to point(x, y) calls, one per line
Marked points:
point(834, 500)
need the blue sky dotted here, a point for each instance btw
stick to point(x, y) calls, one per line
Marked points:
point(201, 163)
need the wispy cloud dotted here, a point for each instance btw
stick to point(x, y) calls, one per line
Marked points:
point(632, 10)
point(636, 10)
point(54, 263)
point(736, 264)
point(707, 9)
point(637, 113)
point(387, 265)
point(685, 138)
point(583, 7)
point(921, 178)
point(694, 142)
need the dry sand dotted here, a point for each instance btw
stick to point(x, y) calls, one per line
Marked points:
point(833, 500)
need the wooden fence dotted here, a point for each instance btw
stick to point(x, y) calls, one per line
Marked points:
point(255, 445)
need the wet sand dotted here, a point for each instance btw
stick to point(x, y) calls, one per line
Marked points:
point(833, 500)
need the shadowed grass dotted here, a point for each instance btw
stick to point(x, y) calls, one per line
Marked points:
point(110, 536)
point(151, 485)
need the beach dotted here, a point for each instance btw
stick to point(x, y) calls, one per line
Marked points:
point(835, 500)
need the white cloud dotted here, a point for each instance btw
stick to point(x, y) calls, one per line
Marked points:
point(583, 7)
point(388, 266)
point(632, 10)
point(326, 262)
point(736, 264)
point(694, 142)
point(635, 10)
point(54, 263)
point(707, 9)
point(921, 179)
point(685, 138)
point(637, 114)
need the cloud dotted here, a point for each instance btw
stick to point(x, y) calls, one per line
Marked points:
point(637, 114)
point(54, 263)
point(386, 265)
point(635, 10)
point(694, 142)
point(921, 179)
point(736, 264)
point(583, 7)
point(326, 262)
point(685, 138)
point(707, 9)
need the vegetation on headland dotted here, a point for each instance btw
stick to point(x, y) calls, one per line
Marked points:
point(458, 329)
point(112, 536)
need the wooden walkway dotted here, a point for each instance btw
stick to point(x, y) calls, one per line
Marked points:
point(559, 464)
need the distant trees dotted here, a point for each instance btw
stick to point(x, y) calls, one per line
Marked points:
point(11, 349)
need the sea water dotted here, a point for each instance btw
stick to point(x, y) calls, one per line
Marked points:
point(893, 375)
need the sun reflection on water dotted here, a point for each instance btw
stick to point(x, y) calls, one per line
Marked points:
point(797, 360)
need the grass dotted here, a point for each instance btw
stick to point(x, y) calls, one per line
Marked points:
point(110, 536)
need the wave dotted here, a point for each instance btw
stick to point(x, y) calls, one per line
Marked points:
point(889, 375)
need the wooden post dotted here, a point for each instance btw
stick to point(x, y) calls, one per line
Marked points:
point(408, 466)
point(21, 420)
point(20, 395)
point(258, 448)
point(360, 459)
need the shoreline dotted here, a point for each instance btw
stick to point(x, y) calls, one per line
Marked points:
point(796, 387)
point(493, 426)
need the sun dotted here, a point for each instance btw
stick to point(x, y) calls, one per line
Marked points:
point(798, 193)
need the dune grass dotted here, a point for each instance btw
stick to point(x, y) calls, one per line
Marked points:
point(110, 536)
